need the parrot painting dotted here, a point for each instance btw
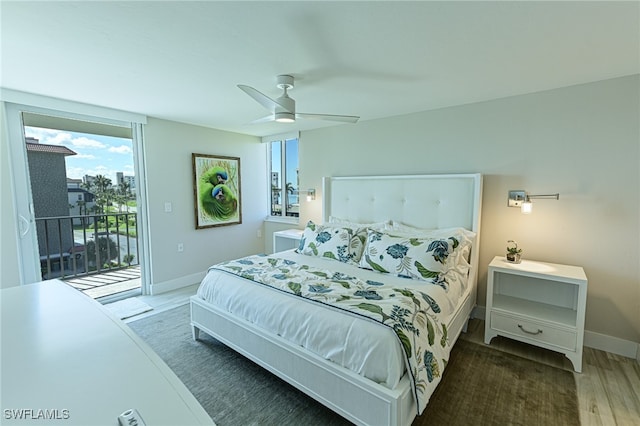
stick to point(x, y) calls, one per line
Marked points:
point(216, 198)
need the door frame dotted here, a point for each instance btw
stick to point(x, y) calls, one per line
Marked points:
point(15, 104)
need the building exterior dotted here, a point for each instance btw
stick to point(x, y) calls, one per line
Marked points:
point(131, 180)
point(81, 201)
point(48, 175)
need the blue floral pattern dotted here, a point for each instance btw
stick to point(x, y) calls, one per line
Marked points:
point(330, 242)
point(410, 257)
point(413, 315)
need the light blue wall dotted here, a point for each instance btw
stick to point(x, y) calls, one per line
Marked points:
point(581, 141)
point(168, 148)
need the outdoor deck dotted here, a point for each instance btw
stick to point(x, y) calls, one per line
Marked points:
point(108, 283)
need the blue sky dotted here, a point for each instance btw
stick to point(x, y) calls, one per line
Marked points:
point(291, 153)
point(96, 155)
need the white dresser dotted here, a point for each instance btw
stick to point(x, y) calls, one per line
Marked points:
point(67, 360)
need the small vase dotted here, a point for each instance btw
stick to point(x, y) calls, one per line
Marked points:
point(513, 257)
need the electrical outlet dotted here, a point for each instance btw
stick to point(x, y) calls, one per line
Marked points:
point(168, 208)
point(180, 247)
point(259, 233)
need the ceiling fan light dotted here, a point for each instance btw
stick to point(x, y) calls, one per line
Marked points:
point(285, 117)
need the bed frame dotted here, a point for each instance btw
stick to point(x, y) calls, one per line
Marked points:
point(425, 201)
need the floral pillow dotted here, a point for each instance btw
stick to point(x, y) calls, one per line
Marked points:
point(411, 257)
point(327, 241)
point(359, 231)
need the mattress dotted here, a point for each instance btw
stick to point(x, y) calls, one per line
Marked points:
point(359, 344)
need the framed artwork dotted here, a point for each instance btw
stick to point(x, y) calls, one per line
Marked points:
point(216, 189)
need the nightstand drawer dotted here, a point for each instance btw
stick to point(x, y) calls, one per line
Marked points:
point(533, 330)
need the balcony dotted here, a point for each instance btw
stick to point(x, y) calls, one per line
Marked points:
point(96, 254)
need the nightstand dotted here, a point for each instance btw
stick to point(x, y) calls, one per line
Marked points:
point(539, 303)
point(287, 239)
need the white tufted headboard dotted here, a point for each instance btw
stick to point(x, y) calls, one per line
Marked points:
point(424, 201)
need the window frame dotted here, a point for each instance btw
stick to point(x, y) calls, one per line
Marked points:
point(282, 139)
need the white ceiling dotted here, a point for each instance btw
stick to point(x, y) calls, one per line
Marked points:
point(182, 60)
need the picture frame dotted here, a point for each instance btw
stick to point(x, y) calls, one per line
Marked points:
point(216, 190)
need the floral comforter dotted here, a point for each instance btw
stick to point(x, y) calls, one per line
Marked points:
point(412, 314)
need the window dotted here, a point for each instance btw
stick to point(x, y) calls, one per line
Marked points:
point(283, 173)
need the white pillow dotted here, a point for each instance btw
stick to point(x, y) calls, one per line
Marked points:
point(379, 226)
point(398, 228)
point(327, 241)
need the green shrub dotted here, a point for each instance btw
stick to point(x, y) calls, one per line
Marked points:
point(107, 250)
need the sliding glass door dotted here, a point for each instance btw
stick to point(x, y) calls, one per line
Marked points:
point(79, 200)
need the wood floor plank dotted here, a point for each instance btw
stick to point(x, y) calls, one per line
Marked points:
point(630, 376)
point(608, 388)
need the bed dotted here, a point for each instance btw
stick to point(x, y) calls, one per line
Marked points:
point(361, 369)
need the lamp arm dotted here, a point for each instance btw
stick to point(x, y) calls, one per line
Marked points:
point(547, 196)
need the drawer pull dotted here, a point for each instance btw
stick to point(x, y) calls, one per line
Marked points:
point(529, 332)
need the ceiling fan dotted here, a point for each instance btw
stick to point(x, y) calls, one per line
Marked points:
point(283, 109)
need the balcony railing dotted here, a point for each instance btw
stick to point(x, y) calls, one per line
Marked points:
point(76, 246)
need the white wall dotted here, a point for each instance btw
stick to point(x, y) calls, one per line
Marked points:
point(168, 148)
point(581, 141)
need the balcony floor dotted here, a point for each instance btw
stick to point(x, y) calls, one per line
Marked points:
point(108, 283)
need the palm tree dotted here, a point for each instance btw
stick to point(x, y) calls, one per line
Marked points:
point(290, 189)
point(103, 191)
point(101, 183)
point(124, 195)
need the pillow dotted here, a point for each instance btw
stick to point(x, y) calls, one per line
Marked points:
point(327, 241)
point(359, 231)
point(398, 228)
point(378, 226)
point(465, 236)
point(436, 258)
point(456, 271)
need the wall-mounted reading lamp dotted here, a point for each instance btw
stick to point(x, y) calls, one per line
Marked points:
point(310, 193)
point(520, 198)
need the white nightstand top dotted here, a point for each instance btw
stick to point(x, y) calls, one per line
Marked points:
point(290, 233)
point(534, 268)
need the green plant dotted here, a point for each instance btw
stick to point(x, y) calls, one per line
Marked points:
point(107, 250)
point(513, 249)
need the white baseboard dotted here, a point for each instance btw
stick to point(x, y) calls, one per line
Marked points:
point(603, 342)
point(612, 344)
point(177, 283)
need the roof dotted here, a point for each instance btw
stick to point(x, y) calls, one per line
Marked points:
point(53, 149)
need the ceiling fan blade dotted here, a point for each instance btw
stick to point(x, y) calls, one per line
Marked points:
point(261, 98)
point(329, 117)
point(263, 120)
